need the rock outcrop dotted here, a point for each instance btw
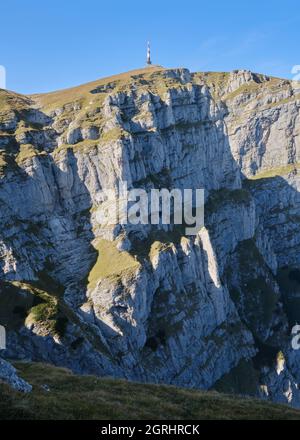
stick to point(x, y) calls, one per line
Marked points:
point(8, 374)
point(142, 301)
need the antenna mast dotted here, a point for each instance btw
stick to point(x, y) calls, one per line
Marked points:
point(148, 54)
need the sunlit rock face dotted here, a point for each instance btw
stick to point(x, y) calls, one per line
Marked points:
point(145, 302)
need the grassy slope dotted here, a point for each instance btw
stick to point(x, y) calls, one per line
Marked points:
point(82, 93)
point(110, 263)
point(88, 397)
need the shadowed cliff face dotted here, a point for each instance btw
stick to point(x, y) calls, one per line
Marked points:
point(138, 301)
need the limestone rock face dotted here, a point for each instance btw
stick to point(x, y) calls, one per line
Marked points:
point(147, 302)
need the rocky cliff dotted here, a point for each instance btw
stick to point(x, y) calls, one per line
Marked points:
point(146, 302)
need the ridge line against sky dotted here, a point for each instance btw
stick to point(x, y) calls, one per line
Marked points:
point(56, 45)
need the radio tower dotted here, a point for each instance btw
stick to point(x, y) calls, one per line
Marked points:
point(148, 55)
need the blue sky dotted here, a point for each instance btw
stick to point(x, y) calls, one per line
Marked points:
point(48, 45)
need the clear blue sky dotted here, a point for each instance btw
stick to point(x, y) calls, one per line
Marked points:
point(47, 45)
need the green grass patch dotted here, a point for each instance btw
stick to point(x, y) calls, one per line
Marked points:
point(93, 398)
point(82, 95)
point(27, 151)
point(283, 101)
point(11, 101)
point(111, 263)
point(276, 171)
point(27, 303)
point(46, 313)
point(113, 134)
point(247, 88)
